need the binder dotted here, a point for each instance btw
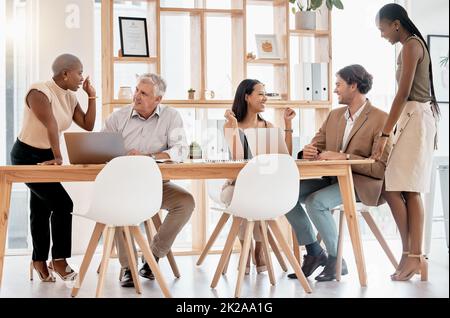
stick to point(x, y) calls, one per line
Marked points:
point(324, 81)
point(320, 81)
point(307, 81)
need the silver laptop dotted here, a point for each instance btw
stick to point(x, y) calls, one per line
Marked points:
point(265, 141)
point(93, 147)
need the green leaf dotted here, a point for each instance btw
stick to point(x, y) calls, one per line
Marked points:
point(338, 4)
point(315, 4)
point(329, 4)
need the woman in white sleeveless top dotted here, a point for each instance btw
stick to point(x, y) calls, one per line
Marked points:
point(413, 114)
point(50, 108)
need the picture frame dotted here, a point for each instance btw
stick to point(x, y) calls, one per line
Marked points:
point(267, 46)
point(438, 46)
point(133, 37)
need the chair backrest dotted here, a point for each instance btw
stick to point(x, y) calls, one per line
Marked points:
point(127, 191)
point(214, 187)
point(267, 187)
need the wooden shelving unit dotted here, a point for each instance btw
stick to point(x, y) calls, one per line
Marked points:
point(238, 12)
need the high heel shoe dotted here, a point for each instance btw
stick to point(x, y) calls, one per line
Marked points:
point(400, 265)
point(423, 270)
point(48, 279)
point(69, 273)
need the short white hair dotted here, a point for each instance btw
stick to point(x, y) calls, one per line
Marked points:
point(159, 84)
point(65, 62)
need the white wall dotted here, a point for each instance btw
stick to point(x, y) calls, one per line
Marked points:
point(2, 85)
point(66, 26)
point(432, 17)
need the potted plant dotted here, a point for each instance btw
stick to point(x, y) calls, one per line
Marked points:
point(305, 15)
point(191, 93)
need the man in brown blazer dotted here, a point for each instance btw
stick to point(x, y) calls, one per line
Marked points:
point(350, 132)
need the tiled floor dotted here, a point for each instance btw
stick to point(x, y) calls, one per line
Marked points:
point(195, 281)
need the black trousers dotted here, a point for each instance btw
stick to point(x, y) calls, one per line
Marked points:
point(49, 204)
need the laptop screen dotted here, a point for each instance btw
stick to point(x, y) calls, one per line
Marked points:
point(265, 141)
point(93, 147)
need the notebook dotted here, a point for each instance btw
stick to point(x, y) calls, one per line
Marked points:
point(93, 147)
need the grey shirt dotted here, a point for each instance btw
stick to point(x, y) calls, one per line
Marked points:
point(161, 132)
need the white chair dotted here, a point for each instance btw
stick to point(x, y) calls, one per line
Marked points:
point(266, 188)
point(127, 192)
point(214, 187)
point(440, 163)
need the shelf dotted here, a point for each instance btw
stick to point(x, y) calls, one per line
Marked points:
point(311, 33)
point(199, 10)
point(228, 103)
point(266, 2)
point(125, 60)
point(268, 61)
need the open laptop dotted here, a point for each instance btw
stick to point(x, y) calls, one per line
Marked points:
point(93, 147)
point(265, 141)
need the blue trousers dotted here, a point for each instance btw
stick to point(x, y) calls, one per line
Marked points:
point(320, 196)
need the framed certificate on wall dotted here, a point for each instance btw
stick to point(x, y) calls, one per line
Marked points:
point(133, 37)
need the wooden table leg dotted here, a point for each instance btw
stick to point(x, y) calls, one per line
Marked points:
point(349, 201)
point(5, 200)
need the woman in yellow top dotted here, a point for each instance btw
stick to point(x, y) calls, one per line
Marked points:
point(249, 102)
point(50, 108)
point(414, 112)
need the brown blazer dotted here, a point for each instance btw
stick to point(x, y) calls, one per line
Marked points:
point(368, 179)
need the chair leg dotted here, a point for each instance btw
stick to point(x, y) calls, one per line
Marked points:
point(265, 245)
point(376, 231)
point(131, 258)
point(225, 268)
point(340, 246)
point(93, 243)
point(226, 250)
point(222, 221)
point(244, 255)
point(290, 256)
point(112, 251)
point(296, 247)
point(109, 238)
point(252, 252)
point(276, 251)
point(173, 264)
point(148, 255)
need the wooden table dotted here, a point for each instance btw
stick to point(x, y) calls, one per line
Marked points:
point(191, 171)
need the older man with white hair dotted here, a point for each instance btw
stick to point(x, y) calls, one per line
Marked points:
point(152, 129)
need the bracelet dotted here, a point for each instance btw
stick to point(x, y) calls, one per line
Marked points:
point(93, 97)
point(384, 135)
point(289, 130)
